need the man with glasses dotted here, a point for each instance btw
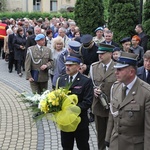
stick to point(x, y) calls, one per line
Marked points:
point(129, 119)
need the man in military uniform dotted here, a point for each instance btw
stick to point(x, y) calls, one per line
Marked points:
point(82, 87)
point(38, 61)
point(129, 119)
point(103, 76)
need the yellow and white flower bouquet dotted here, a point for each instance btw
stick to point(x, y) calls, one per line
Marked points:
point(58, 105)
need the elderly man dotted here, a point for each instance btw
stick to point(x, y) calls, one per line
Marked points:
point(83, 88)
point(129, 119)
point(103, 76)
point(37, 63)
point(108, 35)
point(144, 71)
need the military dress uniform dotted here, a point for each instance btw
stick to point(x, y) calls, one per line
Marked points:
point(82, 87)
point(102, 79)
point(129, 118)
point(34, 60)
point(105, 80)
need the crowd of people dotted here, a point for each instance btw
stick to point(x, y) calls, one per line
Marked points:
point(111, 79)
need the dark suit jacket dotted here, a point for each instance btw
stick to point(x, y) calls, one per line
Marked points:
point(144, 40)
point(10, 42)
point(82, 86)
point(30, 41)
point(112, 43)
point(141, 73)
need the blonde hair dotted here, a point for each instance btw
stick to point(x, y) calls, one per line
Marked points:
point(58, 40)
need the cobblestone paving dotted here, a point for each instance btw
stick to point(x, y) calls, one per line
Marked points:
point(17, 129)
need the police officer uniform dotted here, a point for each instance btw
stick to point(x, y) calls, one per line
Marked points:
point(35, 58)
point(129, 119)
point(103, 81)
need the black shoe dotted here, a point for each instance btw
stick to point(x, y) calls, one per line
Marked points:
point(10, 71)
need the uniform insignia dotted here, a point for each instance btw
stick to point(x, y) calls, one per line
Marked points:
point(133, 93)
point(133, 102)
point(78, 79)
point(130, 114)
point(65, 79)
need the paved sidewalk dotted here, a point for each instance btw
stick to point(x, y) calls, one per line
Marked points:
point(17, 129)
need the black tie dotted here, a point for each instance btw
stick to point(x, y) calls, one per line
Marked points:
point(71, 79)
point(148, 77)
point(124, 89)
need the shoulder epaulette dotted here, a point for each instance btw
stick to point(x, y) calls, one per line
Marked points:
point(95, 63)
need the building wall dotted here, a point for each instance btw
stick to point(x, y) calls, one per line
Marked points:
point(27, 5)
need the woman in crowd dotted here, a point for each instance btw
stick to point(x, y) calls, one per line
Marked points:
point(6, 49)
point(49, 37)
point(19, 43)
point(57, 47)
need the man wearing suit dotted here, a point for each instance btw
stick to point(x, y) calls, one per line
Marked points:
point(83, 88)
point(38, 61)
point(144, 71)
point(129, 119)
point(108, 35)
point(103, 76)
point(142, 35)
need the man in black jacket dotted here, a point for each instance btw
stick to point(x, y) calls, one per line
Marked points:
point(83, 88)
point(143, 36)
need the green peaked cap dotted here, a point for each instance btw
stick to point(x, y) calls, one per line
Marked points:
point(103, 48)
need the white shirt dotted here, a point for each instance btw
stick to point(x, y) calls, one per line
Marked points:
point(130, 85)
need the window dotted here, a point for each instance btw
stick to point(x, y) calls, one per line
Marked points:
point(53, 5)
point(36, 5)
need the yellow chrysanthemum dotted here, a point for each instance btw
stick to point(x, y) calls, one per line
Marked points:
point(44, 106)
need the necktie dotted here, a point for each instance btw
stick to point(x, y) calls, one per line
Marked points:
point(41, 48)
point(105, 69)
point(148, 77)
point(71, 79)
point(124, 89)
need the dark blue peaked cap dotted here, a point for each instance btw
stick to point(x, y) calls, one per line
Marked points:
point(126, 59)
point(73, 60)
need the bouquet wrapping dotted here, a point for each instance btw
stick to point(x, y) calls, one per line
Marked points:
point(59, 105)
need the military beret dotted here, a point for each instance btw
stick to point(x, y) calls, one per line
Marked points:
point(126, 39)
point(86, 38)
point(103, 48)
point(71, 60)
point(74, 45)
point(126, 59)
point(99, 28)
point(39, 37)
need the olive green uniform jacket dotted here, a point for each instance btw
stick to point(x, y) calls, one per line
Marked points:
point(35, 59)
point(129, 121)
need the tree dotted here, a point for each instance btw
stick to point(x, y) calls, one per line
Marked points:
point(146, 19)
point(123, 17)
point(89, 15)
